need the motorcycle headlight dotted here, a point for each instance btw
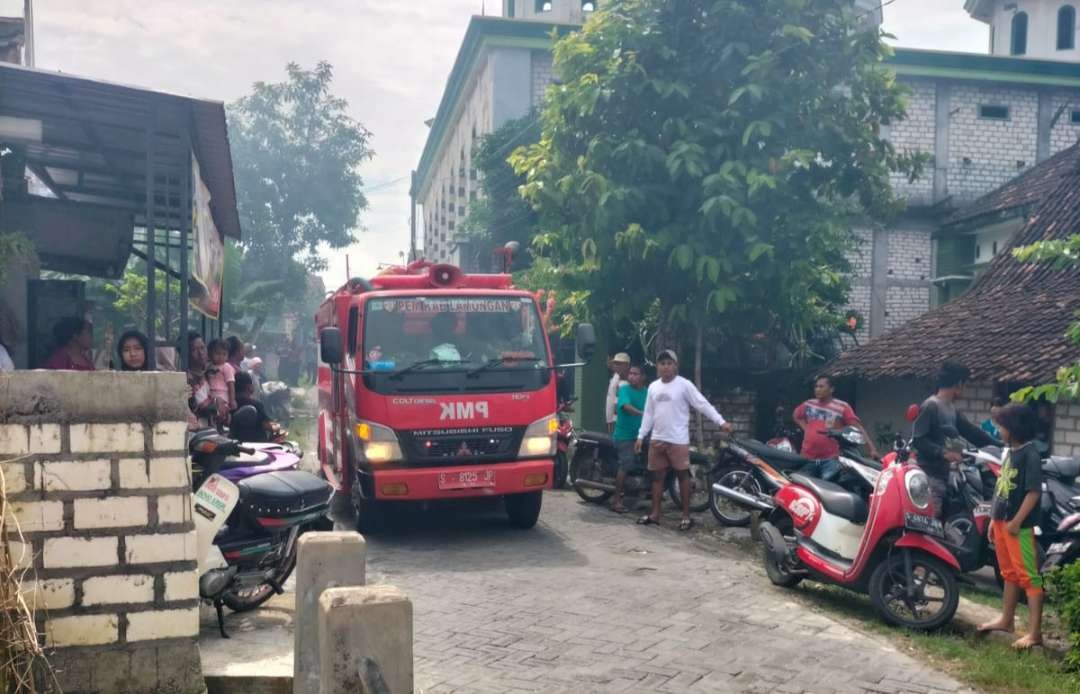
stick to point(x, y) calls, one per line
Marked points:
point(379, 444)
point(918, 488)
point(540, 438)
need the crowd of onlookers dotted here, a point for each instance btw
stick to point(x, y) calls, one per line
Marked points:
point(223, 375)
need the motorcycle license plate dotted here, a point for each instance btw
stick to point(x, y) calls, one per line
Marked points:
point(924, 524)
point(1058, 548)
point(467, 479)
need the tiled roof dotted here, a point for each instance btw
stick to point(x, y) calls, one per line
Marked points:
point(1027, 189)
point(1009, 327)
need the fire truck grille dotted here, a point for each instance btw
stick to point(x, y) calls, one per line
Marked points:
point(457, 445)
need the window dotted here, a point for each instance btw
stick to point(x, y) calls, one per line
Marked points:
point(1018, 45)
point(510, 8)
point(993, 112)
point(543, 5)
point(588, 6)
point(995, 247)
point(1066, 28)
point(1075, 117)
point(978, 251)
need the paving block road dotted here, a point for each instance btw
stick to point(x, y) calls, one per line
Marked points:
point(590, 602)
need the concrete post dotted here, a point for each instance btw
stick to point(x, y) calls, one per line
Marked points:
point(366, 641)
point(324, 560)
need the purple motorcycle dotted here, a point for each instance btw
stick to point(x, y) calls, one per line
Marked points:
point(277, 502)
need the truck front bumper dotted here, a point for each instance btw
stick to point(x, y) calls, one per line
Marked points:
point(464, 482)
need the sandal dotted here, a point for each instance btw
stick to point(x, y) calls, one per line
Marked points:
point(685, 524)
point(618, 508)
point(647, 520)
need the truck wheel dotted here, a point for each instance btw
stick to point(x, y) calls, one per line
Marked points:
point(370, 516)
point(524, 509)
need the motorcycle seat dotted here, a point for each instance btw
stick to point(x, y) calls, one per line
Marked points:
point(836, 500)
point(602, 439)
point(247, 460)
point(284, 494)
point(783, 459)
point(1061, 467)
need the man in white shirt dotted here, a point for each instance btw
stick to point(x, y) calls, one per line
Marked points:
point(667, 418)
point(620, 367)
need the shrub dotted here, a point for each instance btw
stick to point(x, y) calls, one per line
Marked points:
point(1064, 593)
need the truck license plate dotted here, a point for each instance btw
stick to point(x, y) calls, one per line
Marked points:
point(468, 479)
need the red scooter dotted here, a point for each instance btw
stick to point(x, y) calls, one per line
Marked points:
point(889, 548)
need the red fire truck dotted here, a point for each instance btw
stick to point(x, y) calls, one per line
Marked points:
point(437, 385)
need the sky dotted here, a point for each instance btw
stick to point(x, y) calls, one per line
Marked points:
point(391, 62)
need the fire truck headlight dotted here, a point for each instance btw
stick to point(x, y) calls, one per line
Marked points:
point(540, 438)
point(378, 443)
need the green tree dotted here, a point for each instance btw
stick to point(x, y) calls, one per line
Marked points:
point(297, 156)
point(714, 155)
point(501, 215)
point(1065, 255)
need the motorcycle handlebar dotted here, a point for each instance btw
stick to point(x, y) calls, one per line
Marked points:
point(246, 449)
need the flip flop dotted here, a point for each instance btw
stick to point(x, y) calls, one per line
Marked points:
point(618, 508)
point(647, 520)
point(685, 524)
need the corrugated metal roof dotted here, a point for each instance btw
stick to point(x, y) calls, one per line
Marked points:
point(93, 145)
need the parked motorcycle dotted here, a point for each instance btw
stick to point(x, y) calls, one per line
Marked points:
point(251, 504)
point(277, 399)
point(889, 548)
point(566, 439)
point(752, 472)
point(1060, 508)
point(595, 463)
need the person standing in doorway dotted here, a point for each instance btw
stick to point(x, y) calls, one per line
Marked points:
point(667, 419)
point(989, 425)
point(817, 417)
point(937, 424)
point(629, 408)
point(620, 367)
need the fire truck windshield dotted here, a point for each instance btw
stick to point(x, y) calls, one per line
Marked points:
point(438, 344)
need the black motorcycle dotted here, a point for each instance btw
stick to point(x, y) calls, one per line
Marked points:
point(749, 473)
point(596, 461)
point(1060, 512)
point(254, 551)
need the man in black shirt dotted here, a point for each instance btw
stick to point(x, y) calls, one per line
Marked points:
point(938, 422)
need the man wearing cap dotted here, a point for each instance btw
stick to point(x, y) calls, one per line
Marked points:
point(667, 418)
point(620, 367)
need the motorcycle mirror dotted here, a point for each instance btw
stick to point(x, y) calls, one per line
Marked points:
point(912, 412)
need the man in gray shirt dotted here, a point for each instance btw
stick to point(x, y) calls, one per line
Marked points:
point(938, 422)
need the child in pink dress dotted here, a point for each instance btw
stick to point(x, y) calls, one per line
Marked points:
point(221, 375)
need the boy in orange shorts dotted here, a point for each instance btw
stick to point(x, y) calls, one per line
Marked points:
point(1014, 513)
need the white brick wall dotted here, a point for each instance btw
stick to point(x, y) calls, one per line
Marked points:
point(85, 475)
point(910, 255)
point(154, 549)
point(113, 590)
point(114, 512)
point(107, 438)
point(915, 134)
point(16, 439)
point(181, 586)
point(85, 630)
point(61, 552)
point(55, 594)
point(163, 624)
point(983, 153)
point(162, 473)
point(542, 76)
point(174, 508)
point(38, 516)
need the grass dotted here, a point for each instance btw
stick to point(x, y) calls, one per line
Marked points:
point(985, 664)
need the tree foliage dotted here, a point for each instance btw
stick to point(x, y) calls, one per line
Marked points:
point(1065, 255)
point(714, 155)
point(297, 156)
point(501, 215)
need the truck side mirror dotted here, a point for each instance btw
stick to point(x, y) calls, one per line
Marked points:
point(330, 346)
point(585, 341)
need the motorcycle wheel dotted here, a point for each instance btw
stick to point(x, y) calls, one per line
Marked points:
point(560, 471)
point(728, 512)
point(780, 575)
point(250, 599)
point(699, 486)
point(586, 466)
point(936, 594)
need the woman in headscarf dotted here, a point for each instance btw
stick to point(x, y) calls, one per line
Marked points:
point(134, 353)
point(74, 339)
